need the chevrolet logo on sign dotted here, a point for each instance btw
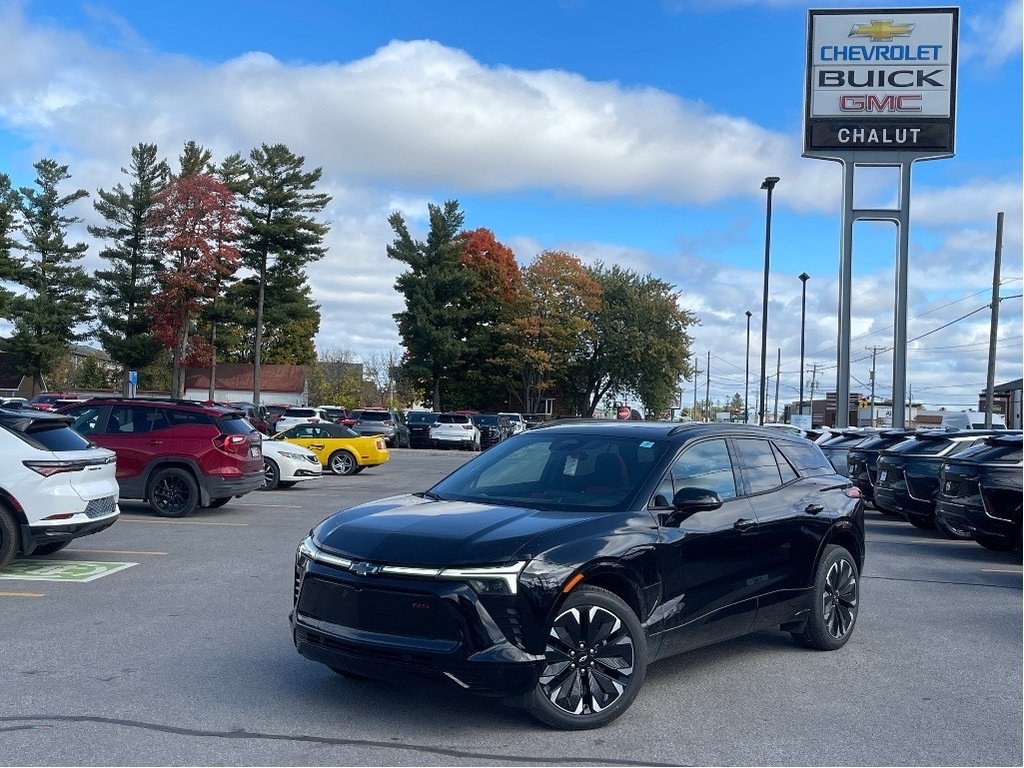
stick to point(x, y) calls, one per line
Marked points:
point(881, 29)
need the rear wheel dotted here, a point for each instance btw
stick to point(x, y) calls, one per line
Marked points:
point(342, 463)
point(596, 661)
point(173, 493)
point(50, 547)
point(836, 600)
point(8, 538)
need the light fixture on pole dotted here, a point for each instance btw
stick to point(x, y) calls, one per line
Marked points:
point(804, 277)
point(746, 378)
point(768, 184)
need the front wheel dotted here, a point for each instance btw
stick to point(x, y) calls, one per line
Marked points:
point(342, 463)
point(836, 601)
point(271, 475)
point(173, 493)
point(8, 538)
point(596, 658)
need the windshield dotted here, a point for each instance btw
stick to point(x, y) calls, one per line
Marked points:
point(556, 471)
point(421, 417)
point(485, 420)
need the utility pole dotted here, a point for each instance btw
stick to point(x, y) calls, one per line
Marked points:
point(707, 390)
point(991, 381)
point(874, 351)
point(696, 372)
point(778, 373)
point(814, 383)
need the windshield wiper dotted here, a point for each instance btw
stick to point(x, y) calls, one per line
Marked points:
point(429, 495)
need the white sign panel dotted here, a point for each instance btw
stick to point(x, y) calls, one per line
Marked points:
point(881, 80)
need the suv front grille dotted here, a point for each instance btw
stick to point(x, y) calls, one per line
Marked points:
point(101, 507)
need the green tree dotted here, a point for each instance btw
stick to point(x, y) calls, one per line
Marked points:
point(10, 206)
point(336, 379)
point(280, 234)
point(636, 343)
point(124, 291)
point(55, 286)
point(436, 287)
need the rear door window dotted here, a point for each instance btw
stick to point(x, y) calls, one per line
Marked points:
point(806, 457)
point(757, 463)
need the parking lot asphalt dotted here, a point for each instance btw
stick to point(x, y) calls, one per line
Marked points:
point(174, 648)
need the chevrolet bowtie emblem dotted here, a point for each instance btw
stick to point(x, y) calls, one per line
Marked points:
point(366, 569)
point(881, 29)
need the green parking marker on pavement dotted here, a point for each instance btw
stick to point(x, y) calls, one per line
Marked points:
point(67, 570)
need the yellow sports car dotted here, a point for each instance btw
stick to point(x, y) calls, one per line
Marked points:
point(339, 449)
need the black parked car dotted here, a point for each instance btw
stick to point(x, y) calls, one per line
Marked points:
point(908, 473)
point(555, 566)
point(838, 446)
point(493, 428)
point(419, 427)
point(862, 459)
point(980, 493)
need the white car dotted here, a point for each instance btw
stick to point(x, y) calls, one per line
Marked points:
point(455, 429)
point(285, 464)
point(54, 484)
point(302, 415)
point(516, 420)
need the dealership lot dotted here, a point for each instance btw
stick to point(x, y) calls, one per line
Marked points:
point(183, 656)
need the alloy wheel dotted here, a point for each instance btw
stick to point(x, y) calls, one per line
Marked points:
point(590, 659)
point(839, 598)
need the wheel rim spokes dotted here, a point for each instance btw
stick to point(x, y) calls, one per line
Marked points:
point(589, 660)
point(169, 494)
point(839, 600)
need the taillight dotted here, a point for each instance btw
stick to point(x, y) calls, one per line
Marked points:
point(380, 445)
point(49, 468)
point(231, 443)
point(467, 426)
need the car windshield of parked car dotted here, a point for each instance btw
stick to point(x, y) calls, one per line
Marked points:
point(556, 471)
point(453, 418)
point(995, 451)
point(375, 416)
point(486, 420)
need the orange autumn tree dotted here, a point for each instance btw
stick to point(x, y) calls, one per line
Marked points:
point(194, 219)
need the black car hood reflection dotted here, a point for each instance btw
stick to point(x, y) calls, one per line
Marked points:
point(410, 530)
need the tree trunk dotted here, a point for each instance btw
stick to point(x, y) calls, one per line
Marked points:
point(257, 352)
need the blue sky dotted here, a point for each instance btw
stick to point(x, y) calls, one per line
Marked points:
point(631, 133)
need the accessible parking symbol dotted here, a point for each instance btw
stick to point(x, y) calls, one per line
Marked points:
point(49, 570)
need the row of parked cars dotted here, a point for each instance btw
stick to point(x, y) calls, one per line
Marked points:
point(965, 483)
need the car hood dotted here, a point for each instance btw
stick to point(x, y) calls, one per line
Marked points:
point(411, 530)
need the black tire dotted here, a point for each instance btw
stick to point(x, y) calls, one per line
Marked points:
point(218, 502)
point(271, 475)
point(173, 492)
point(342, 463)
point(596, 661)
point(8, 538)
point(288, 484)
point(49, 548)
point(994, 544)
point(836, 600)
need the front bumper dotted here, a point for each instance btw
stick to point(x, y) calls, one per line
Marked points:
point(390, 627)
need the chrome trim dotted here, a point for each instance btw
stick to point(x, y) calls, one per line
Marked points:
point(453, 677)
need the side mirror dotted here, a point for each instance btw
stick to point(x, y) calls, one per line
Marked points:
point(690, 500)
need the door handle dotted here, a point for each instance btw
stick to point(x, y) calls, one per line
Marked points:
point(316, 446)
point(156, 442)
point(813, 509)
point(744, 524)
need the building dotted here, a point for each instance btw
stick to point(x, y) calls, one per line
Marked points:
point(1006, 399)
point(285, 384)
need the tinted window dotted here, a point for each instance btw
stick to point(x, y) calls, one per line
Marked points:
point(304, 413)
point(453, 418)
point(375, 416)
point(135, 420)
point(806, 457)
point(702, 465)
point(923, 447)
point(183, 418)
point(233, 425)
point(786, 470)
point(421, 417)
point(757, 461)
point(54, 437)
point(485, 420)
point(996, 452)
point(87, 419)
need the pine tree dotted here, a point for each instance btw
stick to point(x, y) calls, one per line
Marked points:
point(53, 303)
point(280, 235)
point(10, 205)
point(125, 290)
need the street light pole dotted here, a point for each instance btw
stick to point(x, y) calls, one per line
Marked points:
point(804, 277)
point(768, 184)
point(746, 378)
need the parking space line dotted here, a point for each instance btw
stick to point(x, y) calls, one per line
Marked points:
point(113, 552)
point(1016, 571)
point(22, 594)
point(271, 506)
point(958, 542)
point(124, 519)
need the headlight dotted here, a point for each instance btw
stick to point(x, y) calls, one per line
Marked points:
point(488, 580)
point(294, 456)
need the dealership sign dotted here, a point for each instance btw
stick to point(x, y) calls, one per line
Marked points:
point(880, 80)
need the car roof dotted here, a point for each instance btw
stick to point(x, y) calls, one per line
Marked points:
point(663, 429)
point(162, 401)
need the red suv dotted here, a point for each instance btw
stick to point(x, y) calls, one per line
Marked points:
point(174, 454)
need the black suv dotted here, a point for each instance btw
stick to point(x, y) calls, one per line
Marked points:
point(980, 493)
point(862, 459)
point(175, 454)
point(419, 427)
point(908, 473)
point(493, 428)
point(557, 565)
point(837, 447)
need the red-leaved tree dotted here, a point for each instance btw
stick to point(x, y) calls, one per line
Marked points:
point(194, 219)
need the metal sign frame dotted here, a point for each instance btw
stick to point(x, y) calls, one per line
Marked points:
point(892, 154)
